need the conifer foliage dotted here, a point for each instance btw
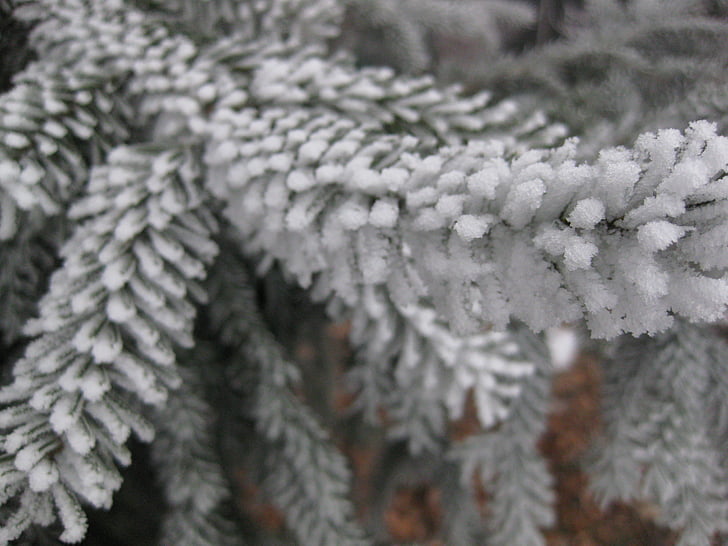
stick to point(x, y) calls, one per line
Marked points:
point(155, 156)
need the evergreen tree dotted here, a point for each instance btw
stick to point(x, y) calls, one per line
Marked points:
point(157, 157)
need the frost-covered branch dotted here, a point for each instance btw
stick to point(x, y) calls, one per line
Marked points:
point(341, 176)
point(657, 426)
point(24, 264)
point(53, 124)
point(69, 108)
point(410, 350)
point(301, 20)
point(625, 243)
point(287, 75)
point(303, 473)
point(509, 463)
point(107, 329)
point(437, 36)
point(185, 453)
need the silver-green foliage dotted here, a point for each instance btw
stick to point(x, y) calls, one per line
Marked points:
point(660, 441)
point(107, 326)
point(509, 463)
point(302, 472)
point(189, 466)
point(435, 222)
point(622, 68)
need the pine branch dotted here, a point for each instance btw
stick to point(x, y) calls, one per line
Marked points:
point(107, 327)
point(415, 35)
point(304, 474)
point(620, 69)
point(53, 124)
point(69, 108)
point(657, 427)
point(507, 458)
point(285, 74)
point(189, 466)
point(431, 371)
point(463, 115)
point(203, 17)
point(304, 20)
point(25, 264)
point(623, 243)
point(340, 175)
point(311, 84)
point(148, 66)
point(397, 469)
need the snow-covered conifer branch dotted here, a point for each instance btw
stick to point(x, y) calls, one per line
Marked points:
point(508, 459)
point(341, 176)
point(107, 329)
point(287, 75)
point(146, 65)
point(301, 20)
point(52, 123)
point(484, 236)
point(55, 122)
point(188, 463)
point(409, 349)
point(67, 109)
point(26, 261)
point(657, 426)
point(64, 113)
point(482, 361)
point(414, 35)
point(624, 68)
point(304, 474)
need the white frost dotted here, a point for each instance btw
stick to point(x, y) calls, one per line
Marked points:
point(587, 213)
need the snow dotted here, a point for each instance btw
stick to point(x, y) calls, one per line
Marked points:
point(563, 344)
point(422, 197)
point(119, 308)
point(107, 344)
point(659, 234)
point(451, 181)
point(131, 224)
point(685, 178)
point(484, 182)
point(72, 516)
point(312, 150)
point(470, 227)
point(280, 162)
point(522, 201)
point(428, 219)
point(578, 254)
point(43, 476)
point(299, 180)
point(384, 213)
point(587, 213)
point(32, 174)
point(394, 178)
point(353, 214)
point(276, 195)
point(117, 273)
point(66, 412)
point(16, 140)
point(367, 180)
point(9, 170)
point(329, 174)
point(80, 439)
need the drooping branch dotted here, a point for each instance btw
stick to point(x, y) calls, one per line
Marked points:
point(108, 325)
